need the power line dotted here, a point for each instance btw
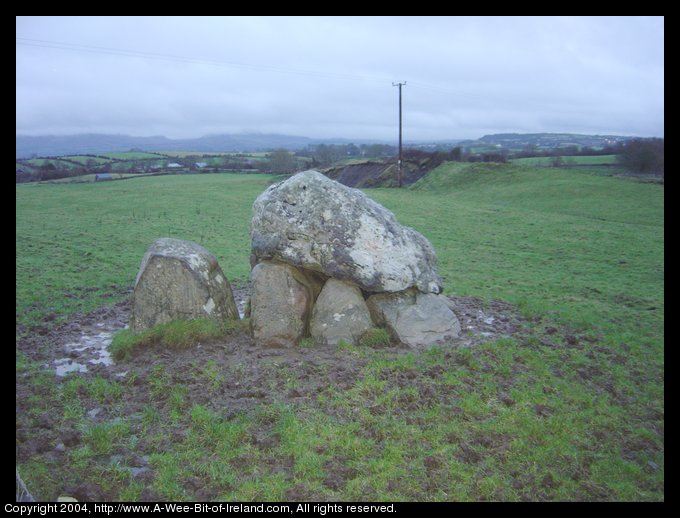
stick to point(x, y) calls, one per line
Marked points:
point(77, 47)
point(366, 78)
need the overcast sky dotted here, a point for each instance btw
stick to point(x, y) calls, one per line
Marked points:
point(332, 77)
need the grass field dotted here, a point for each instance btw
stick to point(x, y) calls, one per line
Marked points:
point(571, 410)
point(91, 178)
point(568, 160)
point(79, 244)
point(84, 159)
point(133, 155)
point(571, 244)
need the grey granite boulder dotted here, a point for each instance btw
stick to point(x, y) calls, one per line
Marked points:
point(312, 222)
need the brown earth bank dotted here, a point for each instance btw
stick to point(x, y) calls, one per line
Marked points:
point(381, 173)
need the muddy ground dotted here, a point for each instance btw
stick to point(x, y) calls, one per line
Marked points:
point(80, 344)
point(248, 377)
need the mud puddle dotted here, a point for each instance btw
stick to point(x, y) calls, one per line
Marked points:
point(91, 348)
point(80, 344)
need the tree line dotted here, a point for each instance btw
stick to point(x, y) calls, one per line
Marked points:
point(642, 156)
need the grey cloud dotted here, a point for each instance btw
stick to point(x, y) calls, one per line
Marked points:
point(331, 77)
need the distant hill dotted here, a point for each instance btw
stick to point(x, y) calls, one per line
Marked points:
point(26, 146)
point(51, 145)
point(543, 141)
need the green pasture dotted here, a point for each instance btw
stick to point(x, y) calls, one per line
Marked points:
point(543, 161)
point(90, 178)
point(86, 159)
point(90, 238)
point(43, 162)
point(133, 155)
point(572, 244)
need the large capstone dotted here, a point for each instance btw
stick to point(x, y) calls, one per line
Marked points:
point(312, 222)
point(180, 280)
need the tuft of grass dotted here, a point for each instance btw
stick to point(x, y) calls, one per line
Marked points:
point(212, 373)
point(104, 391)
point(160, 382)
point(102, 438)
point(179, 334)
point(307, 343)
point(376, 337)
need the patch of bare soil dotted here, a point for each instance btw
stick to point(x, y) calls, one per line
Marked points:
point(230, 376)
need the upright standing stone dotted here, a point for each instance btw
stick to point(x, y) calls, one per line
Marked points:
point(340, 313)
point(180, 280)
point(413, 318)
point(280, 304)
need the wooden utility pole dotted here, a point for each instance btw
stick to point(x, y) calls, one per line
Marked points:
point(400, 166)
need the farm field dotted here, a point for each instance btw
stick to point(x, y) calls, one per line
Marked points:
point(569, 406)
point(542, 161)
point(65, 168)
